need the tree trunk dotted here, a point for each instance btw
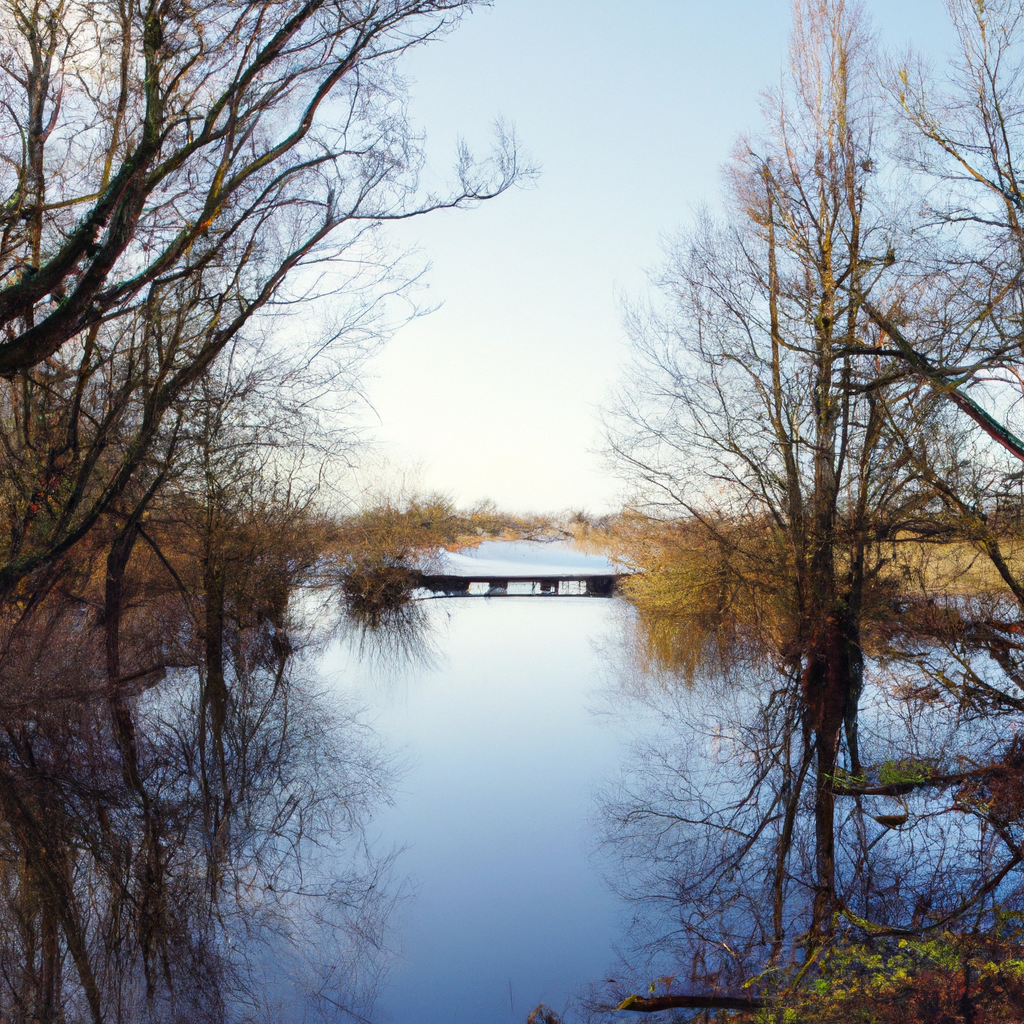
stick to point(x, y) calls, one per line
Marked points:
point(831, 681)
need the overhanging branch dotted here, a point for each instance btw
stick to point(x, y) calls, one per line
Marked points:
point(924, 368)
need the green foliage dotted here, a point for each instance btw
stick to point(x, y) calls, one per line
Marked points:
point(943, 979)
point(847, 779)
point(905, 770)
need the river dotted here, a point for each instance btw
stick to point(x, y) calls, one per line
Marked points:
point(505, 746)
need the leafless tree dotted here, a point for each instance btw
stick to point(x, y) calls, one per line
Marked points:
point(176, 180)
point(755, 417)
point(794, 450)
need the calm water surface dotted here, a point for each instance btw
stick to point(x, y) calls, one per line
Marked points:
point(505, 752)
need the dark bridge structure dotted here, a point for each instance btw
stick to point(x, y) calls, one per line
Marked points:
point(526, 585)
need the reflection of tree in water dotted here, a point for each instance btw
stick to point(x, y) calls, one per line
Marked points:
point(712, 825)
point(389, 627)
point(176, 846)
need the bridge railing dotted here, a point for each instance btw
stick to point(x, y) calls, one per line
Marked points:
point(562, 585)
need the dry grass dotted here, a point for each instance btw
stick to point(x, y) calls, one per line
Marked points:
point(952, 568)
point(708, 596)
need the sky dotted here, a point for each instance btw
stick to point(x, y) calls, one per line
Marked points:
point(630, 109)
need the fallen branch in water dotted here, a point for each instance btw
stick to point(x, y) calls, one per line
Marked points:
point(654, 1004)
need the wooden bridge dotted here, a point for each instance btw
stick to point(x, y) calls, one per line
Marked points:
point(533, 585)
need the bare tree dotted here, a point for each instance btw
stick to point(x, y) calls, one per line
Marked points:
point(793, 452)
point(147, 143)
point(749, 382)
point(190, 269)
point(176, 180)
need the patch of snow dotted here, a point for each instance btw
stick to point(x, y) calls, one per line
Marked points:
point(523, 558)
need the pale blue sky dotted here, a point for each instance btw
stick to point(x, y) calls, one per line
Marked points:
point(630, 108)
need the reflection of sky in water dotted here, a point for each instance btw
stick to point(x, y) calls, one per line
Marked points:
point(517, 559)
point(494, 811)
